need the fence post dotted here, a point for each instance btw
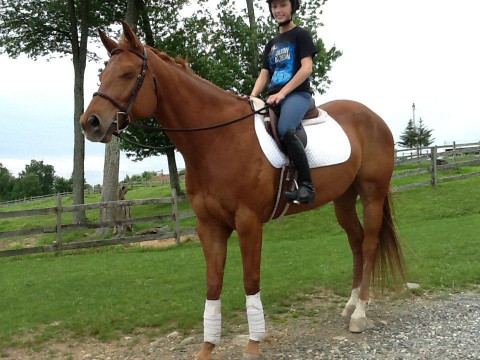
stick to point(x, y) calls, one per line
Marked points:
point(58, 237)
point(176, 216)
point(454, 148)
point(434, 166)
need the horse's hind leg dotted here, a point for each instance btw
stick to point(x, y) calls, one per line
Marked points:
point(372, 195)
point(348, 219)
point(213, 237)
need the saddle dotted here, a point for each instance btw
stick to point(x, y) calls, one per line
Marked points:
point(271, 123)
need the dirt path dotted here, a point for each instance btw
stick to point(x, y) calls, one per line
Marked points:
point(439, 326)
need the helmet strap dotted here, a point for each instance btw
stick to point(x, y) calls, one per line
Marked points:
point(285, 23)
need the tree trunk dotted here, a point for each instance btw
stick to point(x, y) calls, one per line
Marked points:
point(253, 27)
point(133, 11)
point(78, 148)
point(146, 27)
point(79, 57)
point(110, 183)
point(172, 169)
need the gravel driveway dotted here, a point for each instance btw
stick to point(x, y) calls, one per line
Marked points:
point(439, 326)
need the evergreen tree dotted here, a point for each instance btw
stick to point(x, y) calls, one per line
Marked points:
point(416, 136)
point(408, 139)
point(424, 135)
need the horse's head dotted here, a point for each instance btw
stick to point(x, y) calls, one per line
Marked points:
point(127, 89)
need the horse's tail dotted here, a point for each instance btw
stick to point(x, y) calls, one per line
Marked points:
point(389, 255)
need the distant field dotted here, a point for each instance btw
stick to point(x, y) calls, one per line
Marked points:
point(112, 291)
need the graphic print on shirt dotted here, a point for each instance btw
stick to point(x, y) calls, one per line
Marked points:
point(282, 63)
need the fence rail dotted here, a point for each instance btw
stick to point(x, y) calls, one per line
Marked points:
point(59, 228)
point(403, 156)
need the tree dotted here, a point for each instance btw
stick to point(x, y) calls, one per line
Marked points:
point(27, 186)
point(408, 138)
point(416, 136)
point(6, 183)
point(45, 174)
point(253, 29)
point(62, 185)
point(49, 28)
point(424, 135)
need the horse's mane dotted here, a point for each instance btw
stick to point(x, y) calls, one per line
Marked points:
point(183, 64)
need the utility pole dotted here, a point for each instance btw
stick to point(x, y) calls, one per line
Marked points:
point(413, 117)
point(415, 129)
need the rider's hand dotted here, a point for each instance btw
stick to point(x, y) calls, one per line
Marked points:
point(275, 98)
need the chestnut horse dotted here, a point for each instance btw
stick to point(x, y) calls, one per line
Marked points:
point(232, 186)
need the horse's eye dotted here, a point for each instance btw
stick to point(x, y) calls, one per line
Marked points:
point(128, 75)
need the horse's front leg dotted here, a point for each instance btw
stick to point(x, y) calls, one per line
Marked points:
point(249, 230)
point(213, 237)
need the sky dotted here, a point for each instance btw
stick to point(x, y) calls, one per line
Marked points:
point(395, 53)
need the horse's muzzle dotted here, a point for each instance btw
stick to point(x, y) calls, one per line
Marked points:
point(94, 131)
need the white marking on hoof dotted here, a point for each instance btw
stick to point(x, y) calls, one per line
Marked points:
point(351, 304)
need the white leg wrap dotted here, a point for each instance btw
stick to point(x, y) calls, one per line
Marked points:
point(212, 321)
point(256, 320)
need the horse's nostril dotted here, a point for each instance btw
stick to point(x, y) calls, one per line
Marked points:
point(94, 122)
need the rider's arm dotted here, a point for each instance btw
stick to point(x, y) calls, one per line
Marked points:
point(262, 80)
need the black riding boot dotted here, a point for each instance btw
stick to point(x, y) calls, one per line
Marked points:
point(306, 192)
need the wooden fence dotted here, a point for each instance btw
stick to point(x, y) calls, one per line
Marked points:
point(441, 158)
point(59, 228)
point(414, 155)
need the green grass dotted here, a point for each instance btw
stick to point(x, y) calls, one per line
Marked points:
point(118, 290)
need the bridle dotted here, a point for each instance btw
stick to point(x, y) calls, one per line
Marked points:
point(122, 119)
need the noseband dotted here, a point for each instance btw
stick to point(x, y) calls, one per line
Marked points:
point(123, 116)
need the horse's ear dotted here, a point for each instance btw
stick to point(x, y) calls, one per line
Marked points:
point(107, 42)
point(130, 37)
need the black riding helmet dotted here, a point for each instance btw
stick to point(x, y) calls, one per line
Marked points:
point(295, 6)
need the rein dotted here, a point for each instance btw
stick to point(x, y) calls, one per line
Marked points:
point(261, 111)
point(211, 127)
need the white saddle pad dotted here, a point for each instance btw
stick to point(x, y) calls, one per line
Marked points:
point(327, 143)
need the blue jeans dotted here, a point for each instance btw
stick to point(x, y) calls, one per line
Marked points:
point(292, 110)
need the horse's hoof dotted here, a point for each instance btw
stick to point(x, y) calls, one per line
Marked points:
point(248, 356)
point(348, 311)
point(358, 325)
point(199, 356)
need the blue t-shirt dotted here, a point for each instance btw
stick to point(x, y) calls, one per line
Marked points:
point(282, 58)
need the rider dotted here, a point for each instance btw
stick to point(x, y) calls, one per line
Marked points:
point(287, 63)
